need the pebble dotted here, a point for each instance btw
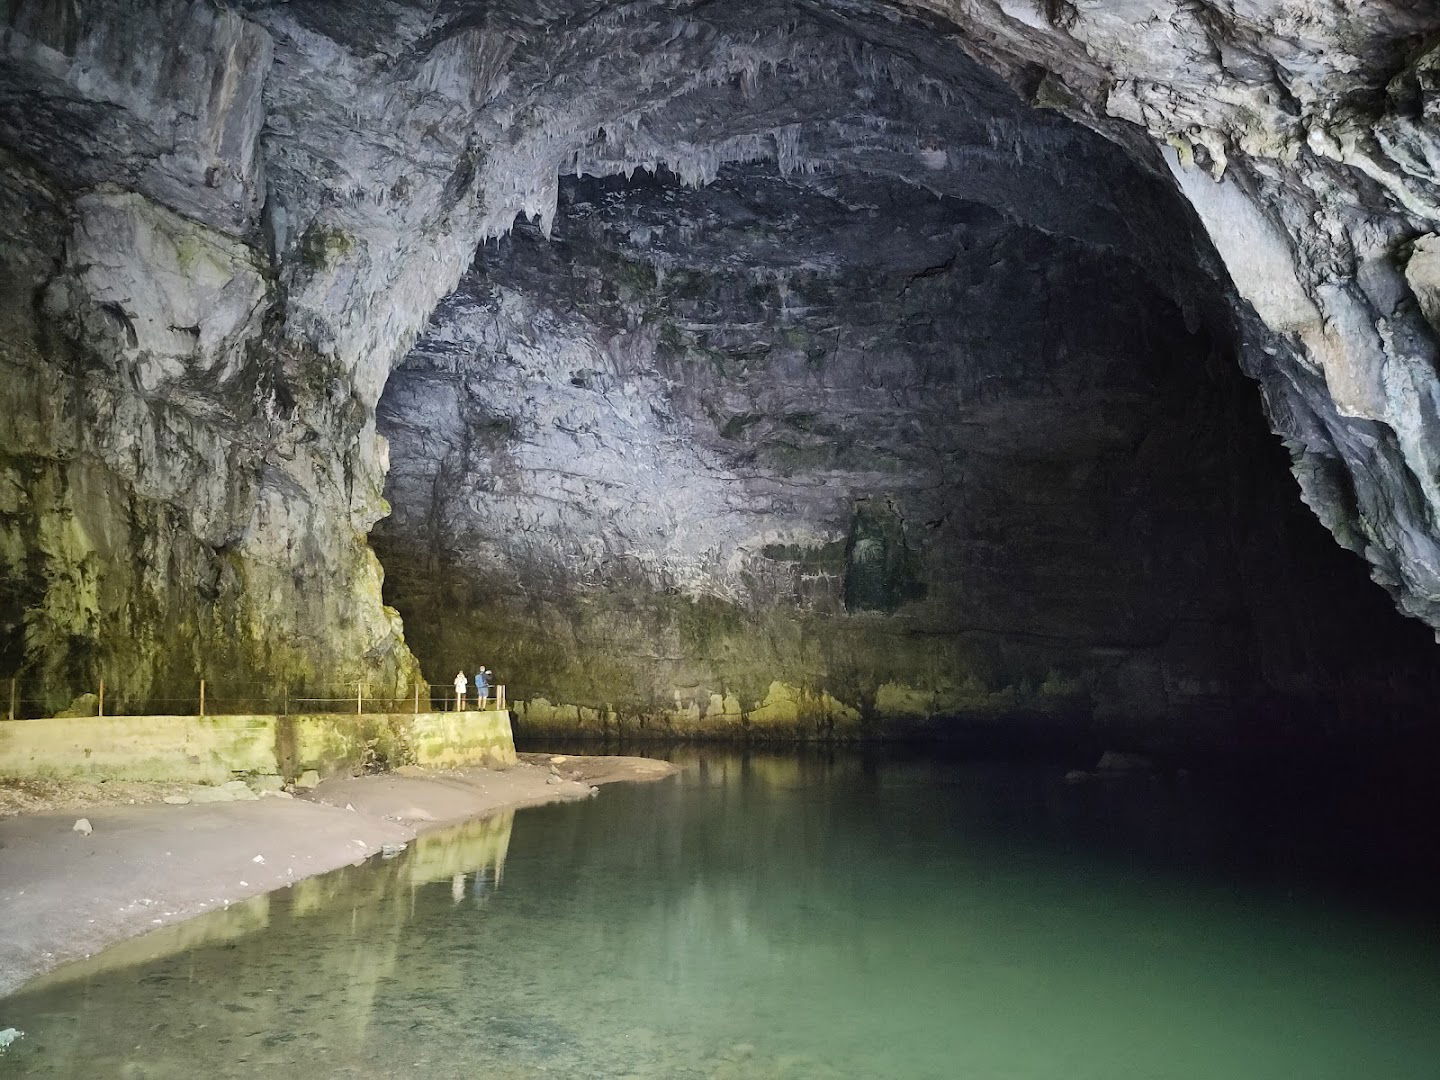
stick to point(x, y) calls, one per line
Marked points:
point(82, 826)
point(259, 859)
point(177, 800)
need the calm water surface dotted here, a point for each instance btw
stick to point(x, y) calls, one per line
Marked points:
point(792, 916)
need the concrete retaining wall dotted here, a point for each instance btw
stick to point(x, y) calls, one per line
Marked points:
point(214, 749)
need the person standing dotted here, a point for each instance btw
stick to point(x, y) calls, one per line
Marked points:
point(482, 687)
point(460, 684)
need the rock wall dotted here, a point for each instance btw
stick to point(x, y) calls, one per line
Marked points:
point(834, 458)
point(225, 224)
point(219, 749)
point(187, 485)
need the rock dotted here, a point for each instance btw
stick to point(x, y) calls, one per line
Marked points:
point(82, 826)
point(389, 851)
point(202, 794)
point(259, 859)
point(8, 1036)
point(276, 795)
point(177, 800)
point(1113, 761)
point(83, 705)
point(308, 780)
point(266, 782)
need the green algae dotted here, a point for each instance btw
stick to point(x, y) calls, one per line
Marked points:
point(323, 246)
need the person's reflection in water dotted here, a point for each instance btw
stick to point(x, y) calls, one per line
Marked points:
point(457, 888)
point(481, 889)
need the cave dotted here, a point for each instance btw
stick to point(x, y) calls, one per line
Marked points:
point(836, 539)
point(830, 454)
point(790, 370)
point(846, 395)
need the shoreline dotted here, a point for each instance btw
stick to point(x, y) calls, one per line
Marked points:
point(69, 895)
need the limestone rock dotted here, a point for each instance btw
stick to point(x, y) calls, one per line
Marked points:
point(308, 780)
point(1115, 761)
point(83, 705)
point(82, 826)
point(202, 794)
point(1422, 273)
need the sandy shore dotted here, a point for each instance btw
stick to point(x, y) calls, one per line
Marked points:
point(66, 895)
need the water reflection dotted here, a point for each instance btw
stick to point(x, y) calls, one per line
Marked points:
point(217, 983)
point(778, 916)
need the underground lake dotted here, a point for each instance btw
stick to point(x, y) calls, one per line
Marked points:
point(808, 914)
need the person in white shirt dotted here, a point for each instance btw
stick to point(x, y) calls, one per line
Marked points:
point(460, 684)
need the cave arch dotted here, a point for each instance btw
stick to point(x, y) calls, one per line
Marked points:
point(731, 237)
point(195, 455)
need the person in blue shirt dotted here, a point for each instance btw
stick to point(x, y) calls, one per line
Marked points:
point(482, 687)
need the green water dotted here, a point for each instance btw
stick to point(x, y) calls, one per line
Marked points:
point(773, 916)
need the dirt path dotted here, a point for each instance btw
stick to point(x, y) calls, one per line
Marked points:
point(66, 895)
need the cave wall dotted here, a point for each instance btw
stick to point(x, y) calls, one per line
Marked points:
point(834, 457)
point(190, 459)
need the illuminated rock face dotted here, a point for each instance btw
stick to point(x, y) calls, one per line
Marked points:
point(836, 456)
point(226, 226)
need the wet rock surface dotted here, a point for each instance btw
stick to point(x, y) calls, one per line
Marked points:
point(224, 226)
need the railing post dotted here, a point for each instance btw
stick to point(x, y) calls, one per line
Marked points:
point(285, 699)
point(12, 698)
point(202, 697)
point(500, 697)
point(100, 700)
point(359, 697)
point(417, 699)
